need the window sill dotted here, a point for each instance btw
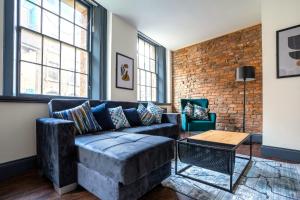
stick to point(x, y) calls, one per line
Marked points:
point(33, 99)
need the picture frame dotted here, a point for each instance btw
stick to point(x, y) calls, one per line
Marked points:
point(288, 52)
point(124, 72)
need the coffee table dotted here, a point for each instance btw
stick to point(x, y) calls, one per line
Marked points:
point(213, 150)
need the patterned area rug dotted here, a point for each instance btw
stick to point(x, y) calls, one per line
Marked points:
point(264, 179)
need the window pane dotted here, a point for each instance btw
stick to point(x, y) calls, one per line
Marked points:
point(31, 46)
point(81, 61)
point(50, 81)
point(141, 47)
point(67, 9)
point(81, 15)
point(154, 94)
point(66, 31)
point(138, 93)
point(141, 62)
point(146, 50)
point(51, 52)
point(38, 2)
point(152, 66)
point(152, 52)
point(80, 37)
point(143, 93)
point(30, 78)
point(81, 85)
point(154, 80)
point(30, 16)
point(67, 83)
point(50, 24)
point(148, 94)
point(147, 64)
point(52, 5)
point(148, 78)
point(67, 57)
point(142, 79)
point(138, 76)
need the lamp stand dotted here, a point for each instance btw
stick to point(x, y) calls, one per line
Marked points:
point(244, 114)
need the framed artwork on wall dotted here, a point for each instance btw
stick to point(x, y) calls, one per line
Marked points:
point(124, 72)
point(288, 52)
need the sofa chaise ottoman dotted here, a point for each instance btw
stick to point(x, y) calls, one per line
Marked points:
point(121, 164)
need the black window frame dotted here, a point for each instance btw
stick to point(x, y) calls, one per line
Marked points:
point(88, 49)
point(146, 40)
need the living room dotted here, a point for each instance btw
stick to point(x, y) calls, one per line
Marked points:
point(137, 69)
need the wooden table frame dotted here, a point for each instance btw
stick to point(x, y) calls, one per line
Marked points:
point(232, 185)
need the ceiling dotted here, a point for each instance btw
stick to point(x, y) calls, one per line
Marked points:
point(179, 23)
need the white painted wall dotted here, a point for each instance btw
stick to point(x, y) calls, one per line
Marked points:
point(169, 76)
point(122, 39)
point(1, 44)
point(281, 97)
point(17, 129)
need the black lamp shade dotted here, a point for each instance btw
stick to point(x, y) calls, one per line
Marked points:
point(246, 73)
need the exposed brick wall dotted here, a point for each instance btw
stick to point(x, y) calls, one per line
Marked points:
point(207, 70)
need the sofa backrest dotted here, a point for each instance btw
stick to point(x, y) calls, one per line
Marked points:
point(199, 102)
point(61, 104)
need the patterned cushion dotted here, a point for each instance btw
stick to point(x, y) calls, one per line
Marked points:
point(200, 113)
point(82, 116)
point(118, 117)
point(156, 111)
point(146, 117)
point(188, 110)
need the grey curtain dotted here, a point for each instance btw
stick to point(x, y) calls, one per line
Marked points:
point(162, 74)
point(99, 53)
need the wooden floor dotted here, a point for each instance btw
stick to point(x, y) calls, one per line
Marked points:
point(32, 186)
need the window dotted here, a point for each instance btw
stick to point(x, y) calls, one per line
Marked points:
point(147, 72)
point(53, 48)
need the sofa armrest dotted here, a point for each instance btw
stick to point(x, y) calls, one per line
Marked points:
point(56, 150)
point(213, 117)
point(173, 118)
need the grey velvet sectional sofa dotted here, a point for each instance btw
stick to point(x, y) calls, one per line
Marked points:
point(122, 164)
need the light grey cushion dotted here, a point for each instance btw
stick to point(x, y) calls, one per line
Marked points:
point(124, 157)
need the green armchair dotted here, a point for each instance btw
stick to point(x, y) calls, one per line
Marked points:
point(197, 125)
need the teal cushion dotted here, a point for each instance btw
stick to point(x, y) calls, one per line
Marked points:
point(200, 113)
point(188, 110)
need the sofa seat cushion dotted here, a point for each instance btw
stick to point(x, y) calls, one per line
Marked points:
point(165, 129)
point(124, 157)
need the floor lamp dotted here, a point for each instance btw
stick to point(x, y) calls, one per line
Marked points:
point(245, 74)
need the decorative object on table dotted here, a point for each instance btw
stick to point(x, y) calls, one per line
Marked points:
point(146, 117)
point(265, 179)
point(118, 117)
point(200, 113)
point(124, 72)
point(288, 52)
point(82, 117)
point(245, 74)
point(213, 150)
point(156, 111)
point(190, 124)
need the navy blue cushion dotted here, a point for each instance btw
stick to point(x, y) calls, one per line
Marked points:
point(132, 116)
point(102, 116)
